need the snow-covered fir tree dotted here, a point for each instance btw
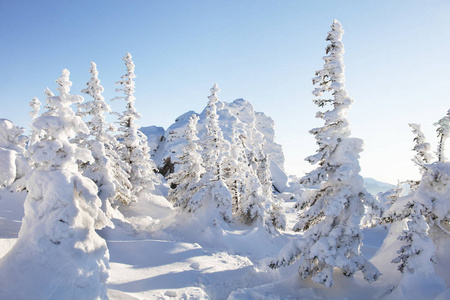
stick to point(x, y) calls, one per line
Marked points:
point(432, 194)
point(418, 249)
point(252, 202)
point(333, 212)
point(213, 143)
point(135, 150)
point(443, 131)
point(246, 190)
point(107, 170)
point(424, 213)
point(57, 239)
point(235, 170)
point(273, 205)
point(421, 158)
point(215, 192)
point(389, 197)
point(187, 177)
point(50, 110)
point(423, 154)
point(13, 165)
point(35, 105)
point(424, 216)
point(422, 148)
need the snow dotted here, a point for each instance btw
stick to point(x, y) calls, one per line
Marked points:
point(154, 135)
point(213, 228)
point(8, 167)
point(187, 262)
point(256, 126)
point(157, 251)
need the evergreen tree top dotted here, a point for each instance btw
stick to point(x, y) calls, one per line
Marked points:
point(191, 130)
point(330, 90)
point(94, 88)
point(35, 105)
point(443, 131)
point(422, 148)
point(128, 83)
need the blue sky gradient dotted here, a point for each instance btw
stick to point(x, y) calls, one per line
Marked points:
point(263, 51)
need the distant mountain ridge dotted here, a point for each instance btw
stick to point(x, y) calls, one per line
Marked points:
point(374, 186)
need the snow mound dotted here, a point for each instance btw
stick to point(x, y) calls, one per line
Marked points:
point(13, 165)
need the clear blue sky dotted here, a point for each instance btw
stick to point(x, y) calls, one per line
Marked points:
point(397, 59)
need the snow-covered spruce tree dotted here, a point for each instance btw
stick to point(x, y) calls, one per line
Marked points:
point(416, 257)
point(425, 212)
point(135, 150)
point(421, 147)
point(332, 214)
point(418, 249)
point(241, 180)
point(188, 175)
point(432, 193)
point(213, 143)
point(13, 165)
point(424, 216)
point(443, 131)
point(252, 202)
point(423, 155)
point(58, 254)
point(214, 146)
point(50, 110)
point(107, 170)
point(389, 197)
point(35, 105)
point(421, 158)
point(235, 170)
point(273, 205)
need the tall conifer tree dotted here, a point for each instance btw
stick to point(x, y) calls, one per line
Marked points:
point(333, 212)
point(135, 150)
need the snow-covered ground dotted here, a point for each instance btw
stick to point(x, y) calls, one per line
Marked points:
point(149, 260)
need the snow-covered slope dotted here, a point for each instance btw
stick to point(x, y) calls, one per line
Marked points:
point(255, 126)
point(154, 136)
